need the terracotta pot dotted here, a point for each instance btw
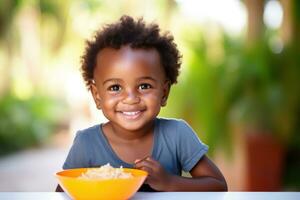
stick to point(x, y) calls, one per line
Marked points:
point(264, 162)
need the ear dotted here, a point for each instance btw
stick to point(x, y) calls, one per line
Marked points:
point(95, 95)
point(166, 90)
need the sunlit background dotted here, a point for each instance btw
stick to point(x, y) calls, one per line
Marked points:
point(238, 88)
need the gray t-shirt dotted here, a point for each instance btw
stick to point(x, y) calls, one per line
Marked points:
point(176, 147)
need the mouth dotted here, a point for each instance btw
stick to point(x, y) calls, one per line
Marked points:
point(131, 114)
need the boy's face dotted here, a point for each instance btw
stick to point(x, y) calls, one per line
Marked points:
point(130, 86)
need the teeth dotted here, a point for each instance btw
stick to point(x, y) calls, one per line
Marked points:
point(131, 113)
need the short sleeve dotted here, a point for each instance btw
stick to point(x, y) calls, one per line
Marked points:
point(78, 155)
point(190, 147)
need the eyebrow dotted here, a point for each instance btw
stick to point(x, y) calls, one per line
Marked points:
point(111, 80)
point(120, 80)
point(148, 77)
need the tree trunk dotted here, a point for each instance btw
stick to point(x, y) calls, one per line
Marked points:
point(290, 29)
point(255, 29)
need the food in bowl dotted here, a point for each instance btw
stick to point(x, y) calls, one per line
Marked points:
point(105, 172)
point(93, 188)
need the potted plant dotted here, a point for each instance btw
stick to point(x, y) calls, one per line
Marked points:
point(250, 93)
point(265, 111)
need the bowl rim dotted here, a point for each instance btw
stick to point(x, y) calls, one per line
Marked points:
point(145, 174)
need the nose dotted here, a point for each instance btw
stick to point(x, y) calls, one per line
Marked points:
point(131, 97)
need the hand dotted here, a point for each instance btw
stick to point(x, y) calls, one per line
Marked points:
point(158, 178)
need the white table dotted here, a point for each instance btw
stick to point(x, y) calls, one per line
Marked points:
point(164, 196)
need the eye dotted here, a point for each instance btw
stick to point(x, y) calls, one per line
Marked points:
point(145, 86)
point(114, 88)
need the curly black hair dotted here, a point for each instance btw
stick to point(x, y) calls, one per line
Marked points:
point(136, 34)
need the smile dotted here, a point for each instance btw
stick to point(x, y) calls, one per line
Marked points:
point(131, 114)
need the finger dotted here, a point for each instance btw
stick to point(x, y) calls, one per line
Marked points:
point(135, 163)
point(148, 170)
point(149, 158)
point(145, 163)
point(139, 160)
point(155, 163)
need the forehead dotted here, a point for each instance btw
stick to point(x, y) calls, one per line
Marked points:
point(138, 61)
point(126, 53)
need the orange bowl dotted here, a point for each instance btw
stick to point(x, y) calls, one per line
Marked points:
point(100, 189)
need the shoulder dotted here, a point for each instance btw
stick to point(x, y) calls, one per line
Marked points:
point(176, 129)
point(169, 121)
point(172, 124)
point(87, 134)
point(80, 152)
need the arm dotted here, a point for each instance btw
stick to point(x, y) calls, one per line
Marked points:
point(205, 177)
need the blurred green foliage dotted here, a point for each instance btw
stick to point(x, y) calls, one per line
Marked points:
point(28, 123)
point(8, 11)
point(253, 87)
point(267, 90)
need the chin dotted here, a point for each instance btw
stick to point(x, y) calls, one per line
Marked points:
point(132, 126)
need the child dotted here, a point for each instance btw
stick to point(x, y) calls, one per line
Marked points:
point(129, 68)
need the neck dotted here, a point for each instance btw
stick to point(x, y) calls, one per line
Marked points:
point(128, 135)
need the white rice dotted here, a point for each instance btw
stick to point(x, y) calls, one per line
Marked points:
point(105, 172)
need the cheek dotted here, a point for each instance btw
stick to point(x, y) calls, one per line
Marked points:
point(108, 102)
point(153, 98)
